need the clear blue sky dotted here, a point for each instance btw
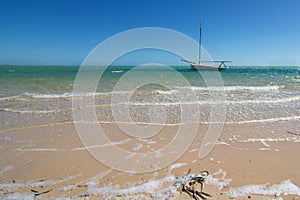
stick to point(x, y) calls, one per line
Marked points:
point(61, 32)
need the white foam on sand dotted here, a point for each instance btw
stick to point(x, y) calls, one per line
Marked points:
point(266, 120)
point(31, 111)
point(218, 182)
point(265, 140)
point(149, 187)
point(17, 196)
point(153, 189)
point(93, 182)
point(284, 188)
point(176, 165)
point(137, 147)
point(67, 187)
point(163, 188)
point(9, 98)
point(10, 187)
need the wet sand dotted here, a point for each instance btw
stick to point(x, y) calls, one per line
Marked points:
point(52, 159)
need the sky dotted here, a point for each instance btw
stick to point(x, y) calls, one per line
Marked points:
point(64, 32)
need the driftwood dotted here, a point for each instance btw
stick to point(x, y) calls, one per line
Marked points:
point(37, 193)
point(187, 184)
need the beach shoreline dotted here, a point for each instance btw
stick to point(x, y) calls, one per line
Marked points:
point(44, 126)
point(58, 161)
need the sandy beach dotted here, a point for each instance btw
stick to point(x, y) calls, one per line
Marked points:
point(58, 163)
point(149, 100)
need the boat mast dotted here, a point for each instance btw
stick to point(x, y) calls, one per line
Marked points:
point(200, 43)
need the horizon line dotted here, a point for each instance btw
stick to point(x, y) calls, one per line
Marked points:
point(64, 65)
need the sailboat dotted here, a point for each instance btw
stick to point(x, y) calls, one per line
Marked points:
point(204, 65)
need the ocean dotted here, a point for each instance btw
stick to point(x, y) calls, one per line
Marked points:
point(39, 95)
point(152, 117)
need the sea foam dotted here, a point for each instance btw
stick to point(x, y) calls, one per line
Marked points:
point(285, 187)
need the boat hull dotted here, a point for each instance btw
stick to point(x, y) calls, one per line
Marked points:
point(202, 67)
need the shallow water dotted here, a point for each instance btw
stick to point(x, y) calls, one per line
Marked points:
point(262, 104)
point(32, 95)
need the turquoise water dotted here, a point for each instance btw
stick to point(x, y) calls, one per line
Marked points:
point(28, 93)
point(20, 80)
